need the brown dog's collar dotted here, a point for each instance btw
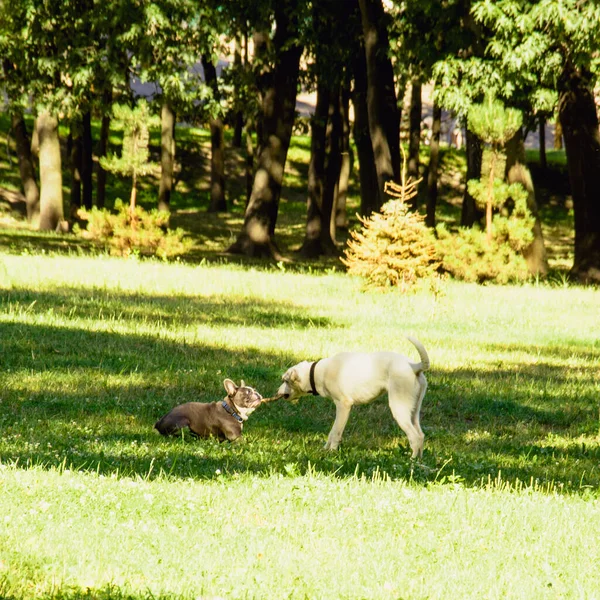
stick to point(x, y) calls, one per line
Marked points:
point(313, 389)
point(231, 411)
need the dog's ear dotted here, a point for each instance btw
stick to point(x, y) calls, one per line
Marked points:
point(293, 375)
point(242, 384)
point(230, 387)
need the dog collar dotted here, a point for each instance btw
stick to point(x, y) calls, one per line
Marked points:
point(313, 388)
point(231, 412)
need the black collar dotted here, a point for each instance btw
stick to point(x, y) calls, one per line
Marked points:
point(313, 389)
point(231, 411)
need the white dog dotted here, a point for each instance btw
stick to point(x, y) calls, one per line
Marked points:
point(351, 378)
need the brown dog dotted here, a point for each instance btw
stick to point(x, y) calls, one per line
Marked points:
point(223, 419)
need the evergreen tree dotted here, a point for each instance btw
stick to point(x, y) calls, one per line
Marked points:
point(494, 125)
point(134, 159)
point(394, 248)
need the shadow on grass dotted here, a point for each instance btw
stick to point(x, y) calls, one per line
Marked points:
point(108, 592)
point(88, 401)
point(180, 310)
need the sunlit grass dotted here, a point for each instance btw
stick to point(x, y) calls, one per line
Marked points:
point(95, 350)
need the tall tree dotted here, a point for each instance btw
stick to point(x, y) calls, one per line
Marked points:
point(168, 37)
point(278, 83)
point(370, 198)
point(51, 199)
point(382, 106)
point(167, 156)
point(330, 46)
point(535, 41)
point(517, 171)
point(414, 134)
point(217, 145)
point(434, 161)
point(423, 33)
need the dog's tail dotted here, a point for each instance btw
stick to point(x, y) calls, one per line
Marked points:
point(424, 364)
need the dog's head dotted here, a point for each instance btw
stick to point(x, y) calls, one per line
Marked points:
point(244, 397)
point(295, 380)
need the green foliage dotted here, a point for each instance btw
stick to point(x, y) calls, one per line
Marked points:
point(134, 159)
point(492, 122)
point(394, 248)
point(495, 255)
point(142, 232)
point(500, 192)
point(468, 255)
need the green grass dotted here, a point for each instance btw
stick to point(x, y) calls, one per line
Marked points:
point(94, 503)
point(93, 350)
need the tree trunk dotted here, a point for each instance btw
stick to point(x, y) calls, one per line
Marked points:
point(51, 197)
point(35, 141)
point(558, 135)
point(75, 156)
point(87, 159)
point(470, 213)
point(238, 118)
point(167, 156)
point(579, 121)
point(249, 162)
point(26, 168)
point(370, 199)
point(332, 170)
point(414, 134)
point(277, 121)
point(384, 121)
point(217, 150)
point(434, 162)
point(340, 220)
point(518, 172)
point(543, 159)
point(103, 147)
point(317, 238)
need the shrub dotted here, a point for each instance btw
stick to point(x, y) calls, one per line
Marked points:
point(496, 254)
point(125, 233)
point(468, 255)
point(394, 248)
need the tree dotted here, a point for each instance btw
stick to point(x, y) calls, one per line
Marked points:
point(278, 82)
point(495, 125)
point(330, 46)
point(394, 247)
point(217, 145)
point(51, 198)
point(13, 87)
point(134, 159)
point(382, 106)
point(370, 198)
point(434, 154)
point(555, 44)
point(165, 41)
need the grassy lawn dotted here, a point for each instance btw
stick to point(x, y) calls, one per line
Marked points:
point(93, 350)
point(95, 504)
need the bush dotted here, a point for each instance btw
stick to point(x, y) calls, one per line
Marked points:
point(394, 248)
point(125, 232)
point(469, 256)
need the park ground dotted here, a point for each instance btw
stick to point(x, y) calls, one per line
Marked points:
point(95, 504)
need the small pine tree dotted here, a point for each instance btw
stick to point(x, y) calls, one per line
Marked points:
point(134, 160)
point(394, 248)
point(495, 125)
point(496, 254)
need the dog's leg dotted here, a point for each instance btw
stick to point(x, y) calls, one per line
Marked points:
point(342, 412)
point(416, 417)
point(402, 414)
